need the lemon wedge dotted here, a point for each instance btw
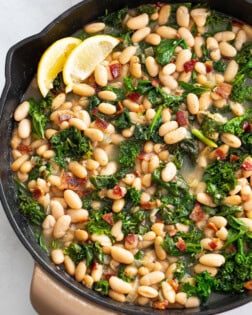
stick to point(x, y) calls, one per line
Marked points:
point(52, 62)
point(85, 57)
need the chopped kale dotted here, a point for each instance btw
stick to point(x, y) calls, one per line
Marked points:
point(210, 126)
point(103, 181)
point(102, 286)
point(193, 88)
point(165, 50)
point(220, 66)
point(40, 169)
point(217, 22)
point(123, 121)
point(134, 223)
point(128, 151)
point(122, 275)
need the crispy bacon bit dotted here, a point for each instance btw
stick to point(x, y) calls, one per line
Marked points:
point(120, 110)
point(101, 123)
point(237, 23)
point(234, 158)
point(95, 111)
point(223, 89)
point(197, 213)
point(209, 67)
point(160, 305)
point(65, 117)
point(109, 275)
point(189, 65)
point(174, 284)
point(248, 285)
point(108, 217)
point(247, 164)
point(159, 4)
point(69, 181)
point(131, 239)
point(36, 193)
point(154, 83)
point(181, 117)
point(24, 149)
point(145, 156)
point(212, 226)
point(134, 96)
point(148, 205)
point(220, 154)
point(213, 244)
point(94, 266)
point(246, 126)
point(181, 245)
point(115, 69)
point(117, 190)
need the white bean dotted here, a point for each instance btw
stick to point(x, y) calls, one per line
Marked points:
point(122, 255)
point(231, 140)
point(176, 135)
point(61, 226)
point(231, 71)
point(183, 56)
point(24, 128)
point(100, 156)
point(227, 50)
point(22, 111)
point(212, 260)
point(168, 172)
point(119, 285)
point(72, 199)
point(193, 103)
point(183, 16)
point(138, 22)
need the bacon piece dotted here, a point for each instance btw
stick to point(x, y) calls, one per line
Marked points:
point(25, 149)
point(189, 65)
point(209, 68)
point(148, 205)
point(134, 96)
point(212, 244)
point(109, 275)
point(197, 213)
point(108, 217)
point(69, 181)
point(117, 190)
point(234, 158)
point(160, 305)
point(247, 164)
point(248, 285)
point(145, 156)
point(223, 89)
point(154, 82)
point(131, 238)
point(237, 23)
point(101, 123)
point(115, 69)
point(174, 284)
point(36, 193)
point(220, 154)
point(181, 245)
point(181, 117)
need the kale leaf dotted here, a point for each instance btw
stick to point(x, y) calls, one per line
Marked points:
point(217, 22)
point(165, 50)
point(103, 181)
point(102, 286)
point(70, 143)
point(128, 151)
point(210, 126)
point(220, 66)
point(193, 88)
point(123, 120)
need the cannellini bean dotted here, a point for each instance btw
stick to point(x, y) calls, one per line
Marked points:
point(122, 255)
point(168, 292)
point(78, 216)
point(237, 108)
point(26, 167)
point(224, 36)
point(81, 235)
point(166, 32)
point(205, 199)
point(69, 265)
point(212, 43)
point(117, 296)
point(58, 100)
point(126, 54)
point(107, 108)
point(77, 169)
point(78, 123)
point(231, 140)
point(15, 166)
point(193, 103)
point(94, 134)
point(61, 226)
point(164, 14)
point(227, 50)
point(168, 172)
point(169, 69)
point(140, 34)
point(240, 39)
point(200, 268)
point(212, 260)
point(107, 95)
point(72, 199)
point(88, 281)
point(22, 111)
point(100, 156)
point(146, 291)
point(153, 39)
point(218, 221)
point(232, 200)
point(49, 222)
point(176, 135)
point(94, 27)
point(198, 42)
point(109, 169)
point(152, 278)
point(160, 252)
point(222, 233)
point(135, 67)
point(102, 239)
point(186, 35)
point(192, 302)
point(56, 209)
point(138, 22)
point(183, 56)
point(57, 256)
point(168, 81)
point(116, 231)
point(199, 16)
point(231, 71)
point(152, 66)
point(118, 205)
point(80, 271)
point(101, 75)
point(183, 16)
point(181, 298)
point(120, 286)
point(83, 89)
point(24, 128)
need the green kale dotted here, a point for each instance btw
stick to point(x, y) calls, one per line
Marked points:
point(40, 169)
point(133, 195)
point(227, 210)
point(237, 229)
point(39, 112)
point(119, 92)
point(165, 50)
point(220, 66)
point(114, 19)
point(70, 143)
point(180, 270)
point(134, 223)
point(122, 275)
point(147, 8)
point(217, 22)
point(128, 151)
point(30, 208)
point(244, 55)
point(90, 253)
point(123, 120)
point(93, 103)
point(219, 177)
point(58, 84)
point(193, 88)
point(235, 125)
point(187, 148)
point(103, 181)
point(204, 284)
point(102, 286)
point(42, 243)
point(210, 126)
point(96, 223)
point(139, 255)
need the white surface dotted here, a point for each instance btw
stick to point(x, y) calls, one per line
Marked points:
point(19, 19)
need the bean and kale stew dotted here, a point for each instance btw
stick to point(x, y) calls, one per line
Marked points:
point(140, 178)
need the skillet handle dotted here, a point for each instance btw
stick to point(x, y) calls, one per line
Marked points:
point(48, 296)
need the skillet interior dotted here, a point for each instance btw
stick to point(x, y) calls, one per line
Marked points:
point(21, 66)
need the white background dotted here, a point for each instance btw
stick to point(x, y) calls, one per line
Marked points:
point(19, 19)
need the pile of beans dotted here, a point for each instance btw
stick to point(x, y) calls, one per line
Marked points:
point(154, 282)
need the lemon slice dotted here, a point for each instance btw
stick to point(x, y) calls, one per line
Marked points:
point(52, 61)
point(85, 57)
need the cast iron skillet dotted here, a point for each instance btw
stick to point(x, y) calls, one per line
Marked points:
point(21, 64)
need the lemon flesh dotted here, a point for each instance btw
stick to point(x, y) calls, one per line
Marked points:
point(52, 62)
point(85, 57)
